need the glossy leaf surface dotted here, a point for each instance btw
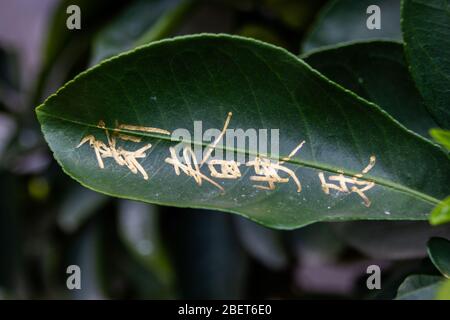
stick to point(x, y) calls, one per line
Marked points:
point(172, 83)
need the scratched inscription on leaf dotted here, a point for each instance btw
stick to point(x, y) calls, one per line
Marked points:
point(121, 156)
point(267, 172)
point(359, 186)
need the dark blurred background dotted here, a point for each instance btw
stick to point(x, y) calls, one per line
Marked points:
point(127, 249)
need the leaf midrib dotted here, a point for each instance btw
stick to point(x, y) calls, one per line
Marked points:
point(379, 181)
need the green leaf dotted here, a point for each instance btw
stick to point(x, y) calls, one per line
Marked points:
point(317, 244)
point(441, 214)
point(85, 252)
point(441, 136)
point(376, 71)
point(77, 207)
point(138, 229)
point(295, 14)
point(444, 291)
point(263, 244)
point(345, 20)
point(8, 127)
point(59, 36)
point(11, 248)
point(426, 32)
point(9, 71)
point(172, 83)
point(439, 252)
point(207, 256)
point(419, 287)
point(261, 32)
point(10, 84)
point(390, 240)
point(143, 22)
point(64, 49)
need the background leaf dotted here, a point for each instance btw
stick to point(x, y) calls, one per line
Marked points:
point(79, 204)
point(425, 26)
point(144, 21)
point(200, 243)
point(11, 250)
point(9, 71)
point(262, 243)
point(376, 71)
point(393, 240)
point(441, 136)
point(444, 291)
point(439, 252)
point(66, 49)
point(85, 253)
point(417, 287)
point(441, 214)
point(345, 20)
point(138, 229)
